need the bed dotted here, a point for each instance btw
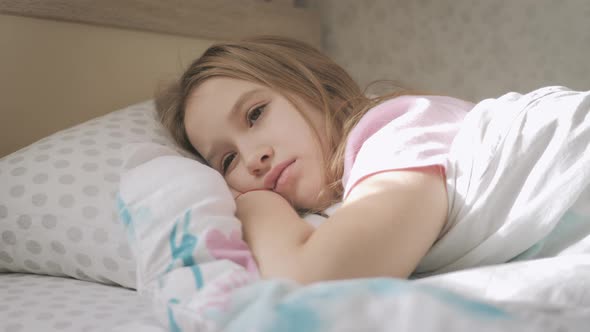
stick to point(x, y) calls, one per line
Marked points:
point(72, 106)
point(65, 66)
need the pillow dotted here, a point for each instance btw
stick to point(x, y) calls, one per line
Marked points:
point(57, 199)
point(179, 217)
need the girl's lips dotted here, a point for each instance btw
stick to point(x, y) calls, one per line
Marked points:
point(271, 178)
point(283, 178)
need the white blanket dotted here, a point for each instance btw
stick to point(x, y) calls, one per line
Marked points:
point(518, 182)
point(193, 264)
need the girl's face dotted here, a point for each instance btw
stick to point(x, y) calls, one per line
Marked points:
point(257, 139)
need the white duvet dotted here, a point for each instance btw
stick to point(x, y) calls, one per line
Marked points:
point(518, 179)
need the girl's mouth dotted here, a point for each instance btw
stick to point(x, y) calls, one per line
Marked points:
point(283, 179)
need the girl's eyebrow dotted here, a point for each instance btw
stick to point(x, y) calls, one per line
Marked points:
point(231, 116)
point(238, 104)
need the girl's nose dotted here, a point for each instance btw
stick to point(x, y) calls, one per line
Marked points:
point(260, 161)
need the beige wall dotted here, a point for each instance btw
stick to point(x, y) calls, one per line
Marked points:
point(56, 74)
point(465, 48)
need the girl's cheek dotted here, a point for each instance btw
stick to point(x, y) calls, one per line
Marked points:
point(233, 180)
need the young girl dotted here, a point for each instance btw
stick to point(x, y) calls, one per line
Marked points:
point(292, 133)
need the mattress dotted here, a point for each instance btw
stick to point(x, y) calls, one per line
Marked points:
point(44, 303)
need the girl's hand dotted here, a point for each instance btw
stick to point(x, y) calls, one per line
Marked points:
point(273, 231)
point(236, 193)
point(253, 202)
point(248, 205)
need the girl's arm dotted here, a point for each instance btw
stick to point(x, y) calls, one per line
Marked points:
point(384, 228)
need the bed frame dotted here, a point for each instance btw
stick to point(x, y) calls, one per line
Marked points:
point(67, 61)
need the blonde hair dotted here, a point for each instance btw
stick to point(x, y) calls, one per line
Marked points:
point(293, 68)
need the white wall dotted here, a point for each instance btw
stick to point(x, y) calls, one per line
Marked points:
point(466, 48)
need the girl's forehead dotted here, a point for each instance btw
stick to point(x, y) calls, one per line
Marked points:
point(223, 86)
point(217, 95)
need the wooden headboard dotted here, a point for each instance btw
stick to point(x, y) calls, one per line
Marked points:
point(67, 61)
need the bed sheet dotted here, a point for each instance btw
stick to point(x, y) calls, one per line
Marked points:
point(555, 288)
point(44, 303)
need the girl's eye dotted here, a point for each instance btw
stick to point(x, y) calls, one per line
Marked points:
point(251, 117)
point(226, 162)
point(255, 113)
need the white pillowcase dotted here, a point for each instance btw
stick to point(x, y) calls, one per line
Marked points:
point(57, 199)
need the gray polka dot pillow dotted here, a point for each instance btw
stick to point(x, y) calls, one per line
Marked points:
point(57, 199)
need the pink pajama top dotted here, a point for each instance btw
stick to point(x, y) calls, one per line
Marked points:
point(401, 133)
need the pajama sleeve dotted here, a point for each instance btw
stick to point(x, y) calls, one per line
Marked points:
point(402, 133)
